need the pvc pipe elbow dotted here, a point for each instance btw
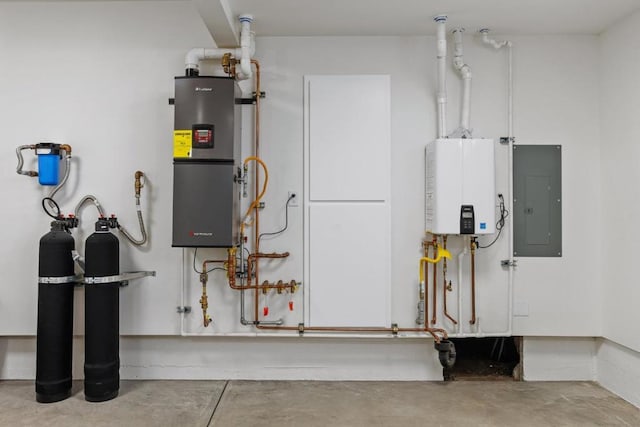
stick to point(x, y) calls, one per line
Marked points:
point(465, 71)
point(193, 58)
point(492, 42)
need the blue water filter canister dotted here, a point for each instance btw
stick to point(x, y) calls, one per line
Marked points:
point(48, 169)
point(48, 163)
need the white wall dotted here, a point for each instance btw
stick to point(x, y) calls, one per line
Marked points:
point(98, 75)
point(620, 100)
point(619, 354)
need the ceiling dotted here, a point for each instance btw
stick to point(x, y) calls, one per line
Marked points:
point(407, 17)
point(413, 17)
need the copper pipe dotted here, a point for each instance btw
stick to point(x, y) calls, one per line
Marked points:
point(204, 278)
point(432, 331)
point(445, 287)
point(473, 282)
point(66, 148)
point(231, 266)
point(253, 258)
point(266, 285)
point(425, 296)
point(204, 302)
point(434, 242)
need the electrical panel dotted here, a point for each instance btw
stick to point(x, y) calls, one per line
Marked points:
point(460, 186)
point(537, 200)
point(206, 161)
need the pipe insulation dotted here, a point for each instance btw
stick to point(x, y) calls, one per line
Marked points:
point(465, 74)
point(441, 47)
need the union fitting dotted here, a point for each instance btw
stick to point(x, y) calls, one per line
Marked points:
point(138, 183)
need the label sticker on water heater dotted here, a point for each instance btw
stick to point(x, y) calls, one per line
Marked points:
point(182, 143)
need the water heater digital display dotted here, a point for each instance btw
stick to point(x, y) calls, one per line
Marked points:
point(202, 136)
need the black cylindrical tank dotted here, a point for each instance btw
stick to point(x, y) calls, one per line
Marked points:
point(102, 306)
point(55, 315)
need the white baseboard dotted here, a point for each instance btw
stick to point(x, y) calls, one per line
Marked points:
point(248, 358)
point(559, 359)
point(618, 370)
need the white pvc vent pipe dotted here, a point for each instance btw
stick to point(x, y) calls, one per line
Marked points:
point(245, 52)
point(441, 46)
point(465, 73)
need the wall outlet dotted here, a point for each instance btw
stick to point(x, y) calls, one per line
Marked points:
point(294, 201)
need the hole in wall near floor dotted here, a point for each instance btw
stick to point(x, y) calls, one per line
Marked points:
point(486, 359)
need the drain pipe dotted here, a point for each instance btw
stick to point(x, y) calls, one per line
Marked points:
point(441, 46)
point(465, 73)
point(245, 52)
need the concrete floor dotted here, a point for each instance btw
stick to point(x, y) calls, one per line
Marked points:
point(308, 404)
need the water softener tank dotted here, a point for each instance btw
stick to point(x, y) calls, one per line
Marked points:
point(55, 314)
point(102, 306)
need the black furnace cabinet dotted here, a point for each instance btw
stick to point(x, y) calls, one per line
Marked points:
point(206, 162)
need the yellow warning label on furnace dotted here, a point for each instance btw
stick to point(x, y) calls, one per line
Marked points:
point(182, 143)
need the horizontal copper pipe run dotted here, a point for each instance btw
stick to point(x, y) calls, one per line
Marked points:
point(431, 331)
point(252, 258)
point(265, 286)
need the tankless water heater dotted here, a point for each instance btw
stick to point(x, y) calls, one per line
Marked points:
point(460, 186)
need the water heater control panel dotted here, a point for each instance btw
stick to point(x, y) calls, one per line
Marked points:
point(202, 136)
point(467, 220)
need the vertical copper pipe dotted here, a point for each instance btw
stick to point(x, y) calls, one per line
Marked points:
point(435, 282)
point(473, 282)
point(444, 287)
point(426, 284)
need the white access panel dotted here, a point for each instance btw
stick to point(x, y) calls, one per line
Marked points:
point(349, 137)
point(349, 265)
point(347, 147)
point(460, 172)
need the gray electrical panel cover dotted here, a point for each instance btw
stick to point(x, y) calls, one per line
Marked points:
point(537, 201)
point(206, 162)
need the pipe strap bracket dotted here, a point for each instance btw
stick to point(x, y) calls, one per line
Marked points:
point(124, 277)
point(61, 280)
